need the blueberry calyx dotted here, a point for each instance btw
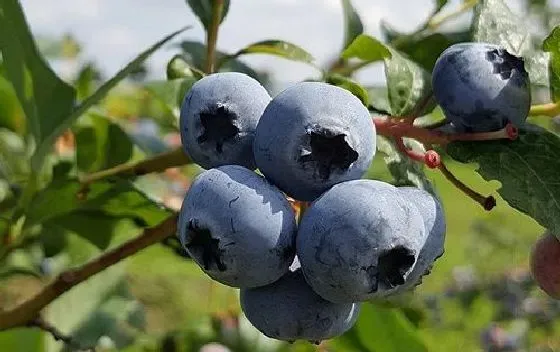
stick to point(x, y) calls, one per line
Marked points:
point(505, 63)
point(218, 127)
point(204, 247)
point(393, 266)
point(330, 151)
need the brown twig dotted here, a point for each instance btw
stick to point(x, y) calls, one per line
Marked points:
point(486, 202)
point(58, 335)
point(27, 311)
point(157, 163)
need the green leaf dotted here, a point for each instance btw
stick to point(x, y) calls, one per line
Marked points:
point(12, 115)
point(278, 48)
point(350, 85)
point(494, 22)
point(45, 98)
point(366, 48)
point(353, 26)
point(22, 339)
point(382, 329)
point(527, 169)
point(99, 94)
point(552, 44)
point(439, 5)
point(101, 145)
point(178, 67)
point(96, 227)
point(422, 48)
point(120, 199)
point(203, 10)
point(409, 86)
point(194, 53)
point(538, 66)
point(170, 93)
point(405, 172)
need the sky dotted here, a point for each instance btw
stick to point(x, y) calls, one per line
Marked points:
point(115, 31)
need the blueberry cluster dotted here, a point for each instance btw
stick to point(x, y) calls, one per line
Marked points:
point(358, 240)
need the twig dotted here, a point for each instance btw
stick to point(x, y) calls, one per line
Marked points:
point(212, 34)
point(29, 309)
point(486, 202)
point(550, 109)
point(58, 335)
point(157, 163)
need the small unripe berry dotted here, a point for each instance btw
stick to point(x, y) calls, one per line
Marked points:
point(545, 264)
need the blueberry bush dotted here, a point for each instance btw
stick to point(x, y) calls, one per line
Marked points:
point(205, 213)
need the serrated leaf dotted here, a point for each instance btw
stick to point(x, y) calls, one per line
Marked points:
point(203, 10)
point(278, 48)
point(46, 99)
point(527, 168)
point(494, 22)
point(120, 199)
point(101, 145)
point(552, 45)
point(366, 48)
point(350, 85)
point(405, 172)
point(99, 94)
point(353, 26)
point(409, 86)
point(387, 329)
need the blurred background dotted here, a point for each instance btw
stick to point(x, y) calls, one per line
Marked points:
point(479, 296)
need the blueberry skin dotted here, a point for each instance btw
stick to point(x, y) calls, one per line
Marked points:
point(314, 135)
point(218, 119)
point(359, 240)
point(434, 220)
point(290, 310)
point(237, 227)
point(481, 87)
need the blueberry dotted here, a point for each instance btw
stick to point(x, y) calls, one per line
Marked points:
point(314, 135)
point(290, 310)
point(434, 220)
point(359, 241)
point(237, 227)
point(218, 119)
point(481, 87)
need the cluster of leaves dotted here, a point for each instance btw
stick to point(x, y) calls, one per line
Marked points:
point(47, 225)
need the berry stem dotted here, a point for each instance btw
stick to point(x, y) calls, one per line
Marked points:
point(550, 109)
point(391, 127)
point(430, 158)
point(212, 34)
point(486, 202)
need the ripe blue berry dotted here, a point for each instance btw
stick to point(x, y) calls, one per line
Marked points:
point(218, 119)
point(359, 240)
point(290, 310)
point(481, 87)
point(434, 220)
point(311, 136)
point(237, 227)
